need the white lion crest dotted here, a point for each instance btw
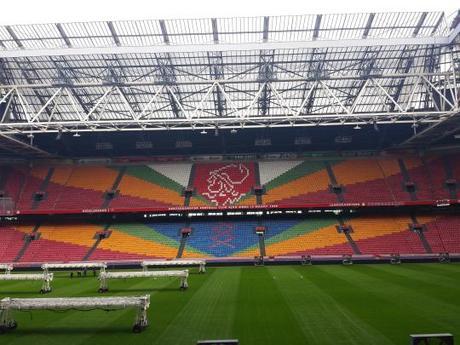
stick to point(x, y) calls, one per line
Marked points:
point(223, 184)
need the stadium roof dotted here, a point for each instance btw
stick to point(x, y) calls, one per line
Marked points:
point(306, 70)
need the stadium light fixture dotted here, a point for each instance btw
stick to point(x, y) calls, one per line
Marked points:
point(357, 127)
point(233, 131)
point(203, 132)
point(76, 135)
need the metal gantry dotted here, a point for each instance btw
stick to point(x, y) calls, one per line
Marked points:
point(312, 70)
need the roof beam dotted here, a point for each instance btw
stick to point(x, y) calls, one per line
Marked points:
point(14, 36)
point(188, 48)
point(368, 27)
point(266, 26)
point(216, 67)
point(215, 31)
point(64, 35)
point(311, 75)
point(18, 146)
point(114, 34)
point(419, 24)
point(164, 32)
point(317, 25)
point(438, 23)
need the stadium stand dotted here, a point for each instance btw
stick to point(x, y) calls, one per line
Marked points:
point(11, 241)
point(306, 183)
point(64, 242)
point(375, 235)
point(284, 183)
point(136, 241)
point(143, 186)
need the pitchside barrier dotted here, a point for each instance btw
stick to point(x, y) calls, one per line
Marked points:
point(105, 276)
point(169, 263)
point(45, 277)
point(7, 305)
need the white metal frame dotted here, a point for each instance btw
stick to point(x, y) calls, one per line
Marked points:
point(7, 305)
point(105, 276)
point(7, 267)
point(170, 263)
point(47, 278)
point(229, 73)
point(75, 265)
point(337, 111)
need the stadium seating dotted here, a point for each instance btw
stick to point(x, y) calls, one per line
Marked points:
point(438, 177)
point(363, 181)
point(447, 230)
point(14, 180)
point(143, 186)
point(63, 242)
point(11, 241)
point(135, 241)
point(385, 235)
point(306, 183)
point(285, 183)
point(373, 235)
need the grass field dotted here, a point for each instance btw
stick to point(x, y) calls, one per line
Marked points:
point(360, 304)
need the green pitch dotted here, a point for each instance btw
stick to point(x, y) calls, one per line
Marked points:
point(282, 305)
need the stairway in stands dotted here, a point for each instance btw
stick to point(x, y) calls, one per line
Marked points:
point(262, 245)
point(450, 176)
point(421, 235)
point(257, 178)
point(346, 230)
point(334, 184)
point(96, 243)
point(109, 197)
point(188, 196)
point(406, 179)
point(183, 242)
point(43, 187)
point(27, 241)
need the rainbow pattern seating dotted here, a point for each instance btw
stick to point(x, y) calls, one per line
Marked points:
point(144, 186)
point(306, 183)
point(136, 241)
point(57, 188)
point(316, 235)
point(285, 183)
point(394, 179)
point(385, 235)
point(89, 184)
point(363, 181)
point(63, 242)
point(373, 235)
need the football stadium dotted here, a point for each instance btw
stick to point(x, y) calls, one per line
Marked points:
point(235, 180)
